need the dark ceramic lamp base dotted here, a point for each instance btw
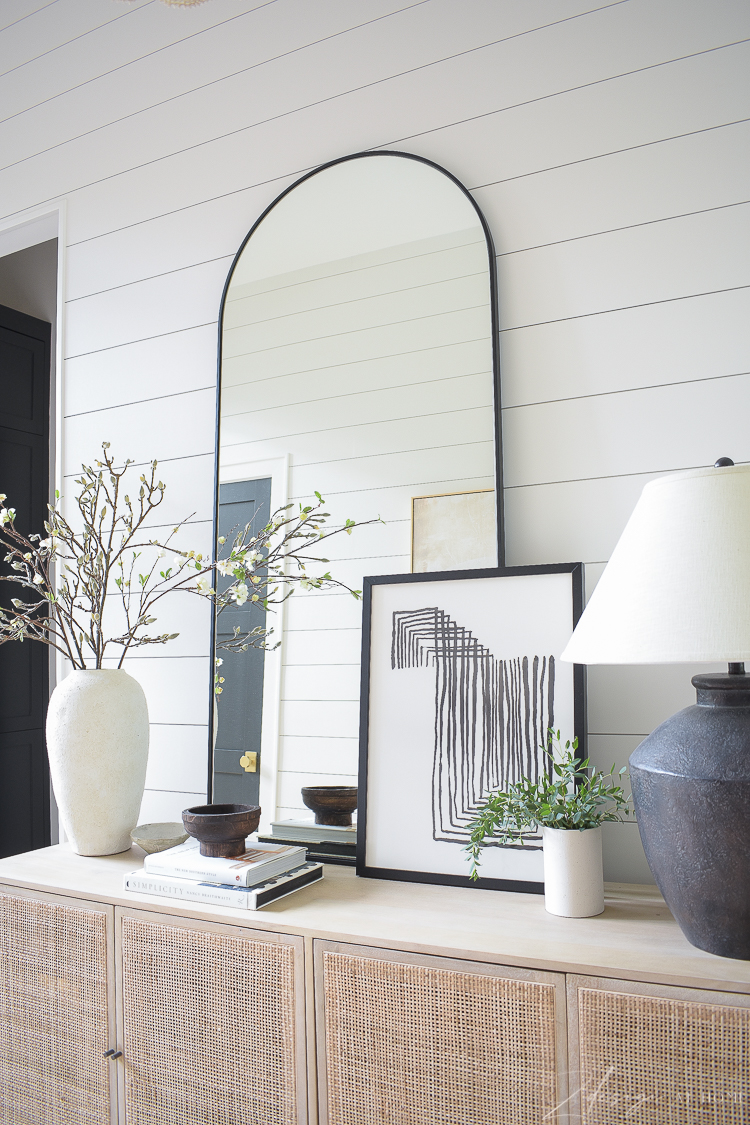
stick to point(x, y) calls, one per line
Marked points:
point(691, 790)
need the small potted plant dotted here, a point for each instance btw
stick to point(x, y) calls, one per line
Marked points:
point(569, 804)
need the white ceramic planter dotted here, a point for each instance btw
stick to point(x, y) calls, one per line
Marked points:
point(573, 874)
point(97, 741)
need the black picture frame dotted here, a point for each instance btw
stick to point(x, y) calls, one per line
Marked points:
point(411, 635)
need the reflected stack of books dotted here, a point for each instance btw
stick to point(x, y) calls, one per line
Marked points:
point(326, 843)
point(264, 873)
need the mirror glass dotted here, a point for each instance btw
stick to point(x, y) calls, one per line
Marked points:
point(357, 361)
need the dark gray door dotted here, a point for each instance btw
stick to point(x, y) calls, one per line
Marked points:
point(24, 667)
point(240, 706)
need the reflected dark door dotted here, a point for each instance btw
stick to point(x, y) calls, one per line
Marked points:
point(24, 668)
point(240, 707)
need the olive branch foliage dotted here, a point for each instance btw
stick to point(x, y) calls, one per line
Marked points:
point(571, 797)
point(95, 580)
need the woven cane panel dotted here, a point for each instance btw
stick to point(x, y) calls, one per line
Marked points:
point(209, 1028)
point(646, 1060)
point(414, 1045)
point(53, 1014)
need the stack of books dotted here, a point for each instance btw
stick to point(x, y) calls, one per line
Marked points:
point(327, 843)
point(263, 874)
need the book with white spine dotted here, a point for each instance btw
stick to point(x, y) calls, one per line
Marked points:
point(258, 864)
point(247, 898)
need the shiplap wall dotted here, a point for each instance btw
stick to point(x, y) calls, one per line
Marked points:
point(373, 376)
point(607, 145)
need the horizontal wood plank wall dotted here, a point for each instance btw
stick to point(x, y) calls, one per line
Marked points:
point(606, 143)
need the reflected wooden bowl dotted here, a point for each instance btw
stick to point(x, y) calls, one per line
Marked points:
point(332, 804)
point(221, 829)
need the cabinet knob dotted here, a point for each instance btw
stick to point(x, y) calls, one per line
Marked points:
point(117, 1055)
point(111, 1051)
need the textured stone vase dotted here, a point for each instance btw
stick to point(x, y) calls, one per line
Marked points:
point(573, 872)
point(97, 741)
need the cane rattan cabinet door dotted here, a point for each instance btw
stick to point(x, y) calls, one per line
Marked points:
point(655, 1055)
point(406, 1039)
point(213, 1023)
point(56, 1010)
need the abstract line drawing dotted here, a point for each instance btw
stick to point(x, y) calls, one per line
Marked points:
point(491, 716)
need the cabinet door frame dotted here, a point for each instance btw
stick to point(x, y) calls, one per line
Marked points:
point(451, 964)
point(109, 912)
point(225, 929)
point(631, 988)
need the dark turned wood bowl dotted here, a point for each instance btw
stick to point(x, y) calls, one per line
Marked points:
point(332, 804)
point(221, 829)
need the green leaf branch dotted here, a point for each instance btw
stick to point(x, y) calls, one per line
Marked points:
point(266, 565)
point(568, 797)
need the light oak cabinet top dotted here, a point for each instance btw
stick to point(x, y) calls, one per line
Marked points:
point(635, 938)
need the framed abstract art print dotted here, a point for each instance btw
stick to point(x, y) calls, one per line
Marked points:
point(461, 682)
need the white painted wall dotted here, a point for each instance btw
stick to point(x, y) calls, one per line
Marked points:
point(607, 145)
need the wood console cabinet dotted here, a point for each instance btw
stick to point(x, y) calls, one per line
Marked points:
point(655, 1055)
point(112, 1015)
point(57, 1010)
point(356, 1002)
point(211, 1023)
point(405, 1038)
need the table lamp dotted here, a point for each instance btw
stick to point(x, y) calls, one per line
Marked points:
point(677, 590)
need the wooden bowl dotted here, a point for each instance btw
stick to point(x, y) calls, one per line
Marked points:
point(221, 829)
point(332, 804)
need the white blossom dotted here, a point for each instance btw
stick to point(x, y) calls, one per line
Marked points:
point(239, 593)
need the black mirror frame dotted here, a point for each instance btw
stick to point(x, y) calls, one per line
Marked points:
point(495, 329)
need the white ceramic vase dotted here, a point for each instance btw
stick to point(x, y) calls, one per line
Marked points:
point(573, 873)
point(97, 741)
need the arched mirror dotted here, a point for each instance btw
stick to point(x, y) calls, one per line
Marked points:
point(358, 359)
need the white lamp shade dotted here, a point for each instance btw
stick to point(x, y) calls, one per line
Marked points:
point(677, 587)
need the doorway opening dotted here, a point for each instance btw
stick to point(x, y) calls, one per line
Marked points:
point(238, 714)
point(28, 323)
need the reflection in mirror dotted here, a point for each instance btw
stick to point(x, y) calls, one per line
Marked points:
point(357, 360)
